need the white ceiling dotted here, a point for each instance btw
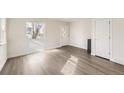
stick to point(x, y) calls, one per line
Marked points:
point(68, 19)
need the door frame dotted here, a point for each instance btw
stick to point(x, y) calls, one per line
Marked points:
point(60, 33)
point(93, 52)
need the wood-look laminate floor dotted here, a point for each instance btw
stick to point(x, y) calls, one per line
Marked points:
point(67, 60)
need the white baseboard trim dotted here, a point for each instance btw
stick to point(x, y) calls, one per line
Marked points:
point(53, 47)
point(26, 52)
point(77, 46)
point(119, 61)
point(93, 54)
point(21, 53)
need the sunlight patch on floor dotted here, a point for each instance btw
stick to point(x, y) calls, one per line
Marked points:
point(54, 50)
point(70, 66)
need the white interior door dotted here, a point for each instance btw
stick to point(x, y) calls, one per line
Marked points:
point(64, 35)
point(102, 35)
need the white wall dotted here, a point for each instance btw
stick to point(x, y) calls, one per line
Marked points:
point(17, 41)
point(80, 31)
point(3, 56)
point(117, 27)
point(118, 40)
point(3, 43)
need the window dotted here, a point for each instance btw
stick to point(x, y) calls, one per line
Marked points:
point(34, 30)
point(29, 30)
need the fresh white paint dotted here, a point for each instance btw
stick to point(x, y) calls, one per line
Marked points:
point(102, 39)
point(3, 55)
point(67, 19)
point(118, 40)
point(17, 42)
point(80, 31)
point(3, 43)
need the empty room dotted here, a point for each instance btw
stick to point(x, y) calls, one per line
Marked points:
point(61, 46)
